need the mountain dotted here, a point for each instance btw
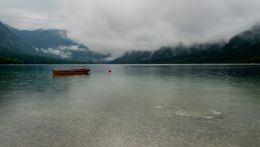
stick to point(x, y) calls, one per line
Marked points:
point(56, 43)
point(242, 48)
point(54, 46)
point(134, 57)
point(15, 50)
point(44, 38)
point(167, 54)
point(10, 43)
point(12, 48)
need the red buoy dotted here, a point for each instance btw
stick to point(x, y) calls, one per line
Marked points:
point(109, 70)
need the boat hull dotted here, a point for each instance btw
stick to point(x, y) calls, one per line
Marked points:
point(71, 72)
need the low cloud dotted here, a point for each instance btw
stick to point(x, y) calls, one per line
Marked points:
point(121, 25)
point(61, 51)
point(55, 52)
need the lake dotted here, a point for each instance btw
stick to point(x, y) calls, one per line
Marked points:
point(135, 105)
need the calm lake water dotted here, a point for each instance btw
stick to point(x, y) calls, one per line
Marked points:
point(135, 105)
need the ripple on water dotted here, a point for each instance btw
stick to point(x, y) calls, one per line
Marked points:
point(210, 114)
point(158, 107)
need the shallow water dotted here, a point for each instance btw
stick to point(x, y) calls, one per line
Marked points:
point(135, 105)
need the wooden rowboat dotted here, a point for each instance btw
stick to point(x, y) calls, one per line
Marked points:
point(80, 71)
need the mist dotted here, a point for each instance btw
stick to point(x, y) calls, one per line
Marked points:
point(121, 25)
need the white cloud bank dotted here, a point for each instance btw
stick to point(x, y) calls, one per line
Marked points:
point(61, 51)
point(119, 25)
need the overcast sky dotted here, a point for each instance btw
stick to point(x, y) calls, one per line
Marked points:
point(119, 25)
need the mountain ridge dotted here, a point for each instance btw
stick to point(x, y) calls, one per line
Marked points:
point(241, 48)
point(48, 43)
point(56, 43)
point(42, 45)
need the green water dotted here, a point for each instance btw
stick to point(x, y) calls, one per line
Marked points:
point(135, 105)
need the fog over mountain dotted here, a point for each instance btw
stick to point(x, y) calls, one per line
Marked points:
point(122, 25)
point(43, 46)
point(242, 48)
